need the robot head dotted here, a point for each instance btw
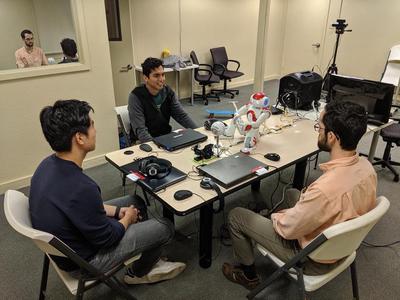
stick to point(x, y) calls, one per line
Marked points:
point(259, 100)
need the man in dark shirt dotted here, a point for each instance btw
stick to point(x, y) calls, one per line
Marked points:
point(66, 203)
point(152, 105)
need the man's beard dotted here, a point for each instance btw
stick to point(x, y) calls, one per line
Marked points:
point(323, 145)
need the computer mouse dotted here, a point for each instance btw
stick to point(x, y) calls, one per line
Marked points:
point(272, 156)
point(145, 147)
point(182, 194)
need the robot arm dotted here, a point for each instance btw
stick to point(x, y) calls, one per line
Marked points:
point(265, 114)
point(242, 111)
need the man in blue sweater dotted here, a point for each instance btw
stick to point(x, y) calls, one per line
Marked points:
point(66, 203)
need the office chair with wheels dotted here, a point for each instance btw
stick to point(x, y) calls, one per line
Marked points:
point(390, 135)
point(336, 242)
point(16, 207)
point(204, 79)
point(220, 68)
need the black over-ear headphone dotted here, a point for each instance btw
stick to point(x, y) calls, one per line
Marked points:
point(154, 167)
point(208, 184)
point(205, 153)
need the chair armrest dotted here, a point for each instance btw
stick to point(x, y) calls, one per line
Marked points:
point(207, 71)
point(217, 69)
point(235, 61)
point(206, 65)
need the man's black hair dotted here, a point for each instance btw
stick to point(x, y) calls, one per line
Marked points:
point(347, 120)
point(150, 64)
point(68, 47)
point(25, 31)
point(63, 120)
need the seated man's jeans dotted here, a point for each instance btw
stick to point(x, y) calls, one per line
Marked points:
point(146, 237)
point(246, 226)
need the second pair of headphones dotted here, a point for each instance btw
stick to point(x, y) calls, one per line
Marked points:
point(205, 153)
point(154, 167)
point(208, 184)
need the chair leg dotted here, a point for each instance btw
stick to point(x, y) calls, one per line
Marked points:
point(123, 179)
point(45, 273)
point(203, 94)
point(354, 280)
point(300, 282)
point(264, 284)
point(117, 286)
point(385, 162)
point(80, 290)
point(225, 90)
point(316, 161)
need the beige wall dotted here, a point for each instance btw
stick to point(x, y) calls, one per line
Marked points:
point(275, 42)
point(182, 26)
point(23, 145)
point(376, 28)
point(121, 55)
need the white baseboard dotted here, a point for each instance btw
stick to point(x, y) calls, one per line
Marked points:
point(238, 83)
point(25, 181)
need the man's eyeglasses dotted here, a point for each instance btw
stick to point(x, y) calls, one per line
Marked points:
point(317, 127)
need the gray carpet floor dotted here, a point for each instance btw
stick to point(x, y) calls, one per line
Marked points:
point(378, 268)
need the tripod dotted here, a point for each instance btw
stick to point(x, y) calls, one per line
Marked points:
point(340, 29)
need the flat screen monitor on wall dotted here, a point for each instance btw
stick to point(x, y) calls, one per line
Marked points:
point(376, 97)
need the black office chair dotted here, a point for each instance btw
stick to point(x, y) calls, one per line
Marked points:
point(391, 135)
point(204, 79)
point(220, 68)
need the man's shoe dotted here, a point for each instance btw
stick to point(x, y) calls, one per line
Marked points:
point(162, 270)
point(236, 275)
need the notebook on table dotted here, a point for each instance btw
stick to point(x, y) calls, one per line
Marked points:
point(178, 139)
point(233, 169)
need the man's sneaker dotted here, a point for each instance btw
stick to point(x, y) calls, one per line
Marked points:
point(236, 275)
point(162, 270)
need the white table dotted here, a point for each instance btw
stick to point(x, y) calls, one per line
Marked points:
point(294, 144)
point(139, 71)
point(375, 129)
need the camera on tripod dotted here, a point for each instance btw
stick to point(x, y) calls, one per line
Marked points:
point(340, 26)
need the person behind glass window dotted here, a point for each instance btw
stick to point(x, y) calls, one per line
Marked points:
point(29, 55)
point(70, 50)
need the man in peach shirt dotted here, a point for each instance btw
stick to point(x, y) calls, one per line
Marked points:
point(345, 190)
point(29, 55)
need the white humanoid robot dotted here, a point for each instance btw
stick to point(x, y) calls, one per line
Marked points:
point(257, 111)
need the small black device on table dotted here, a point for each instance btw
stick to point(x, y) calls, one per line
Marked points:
point(182, 195)
point(145, 147)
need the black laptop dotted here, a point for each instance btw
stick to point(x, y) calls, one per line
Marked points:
point(232, 170)
point(178, 139)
